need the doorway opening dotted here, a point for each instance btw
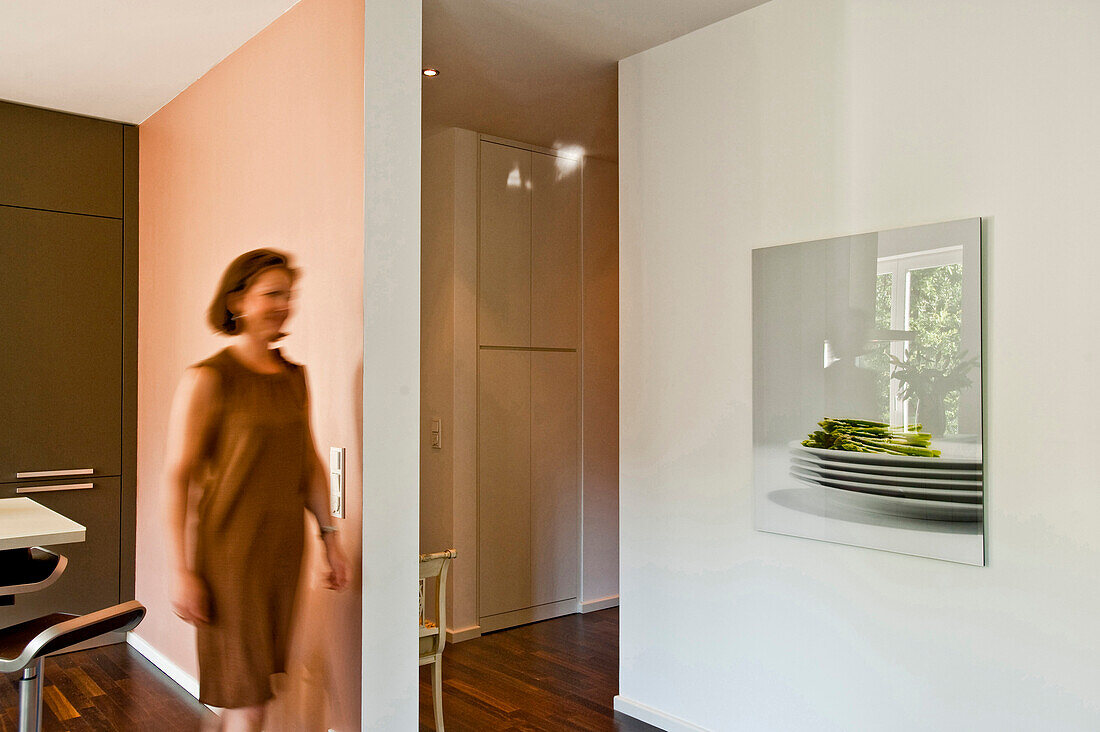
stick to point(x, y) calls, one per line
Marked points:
point(519, 332)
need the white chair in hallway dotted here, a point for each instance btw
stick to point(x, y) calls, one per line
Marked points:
point(433, 567)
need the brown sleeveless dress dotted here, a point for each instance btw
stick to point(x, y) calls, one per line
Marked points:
point(248, 546)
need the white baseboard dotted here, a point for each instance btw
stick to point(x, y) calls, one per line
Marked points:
point(657, 718)
point(602, 604)
point(509, 619)
point(463, 634)
point(186, 681)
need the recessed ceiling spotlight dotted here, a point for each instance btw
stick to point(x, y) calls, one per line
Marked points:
point(431, 72)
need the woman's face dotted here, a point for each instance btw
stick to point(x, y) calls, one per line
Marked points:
point(264, 307)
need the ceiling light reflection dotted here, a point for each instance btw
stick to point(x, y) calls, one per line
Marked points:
point(569, 159)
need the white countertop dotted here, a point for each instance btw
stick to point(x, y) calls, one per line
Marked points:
point(25, 523)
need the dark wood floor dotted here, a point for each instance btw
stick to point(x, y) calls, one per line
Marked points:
point(107, 688)
point(556, 675)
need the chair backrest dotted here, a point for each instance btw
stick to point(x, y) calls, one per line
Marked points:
point(39, 569)
point(68, 633)
point(435, 566)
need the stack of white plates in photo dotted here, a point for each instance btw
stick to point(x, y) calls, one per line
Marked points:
point(947, 488)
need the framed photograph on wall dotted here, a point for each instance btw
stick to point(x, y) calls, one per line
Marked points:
point(867, 390)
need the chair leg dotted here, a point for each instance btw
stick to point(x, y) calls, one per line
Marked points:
point(437, 692)
point(30, 698)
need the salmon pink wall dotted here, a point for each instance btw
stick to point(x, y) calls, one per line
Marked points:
point(264, 150)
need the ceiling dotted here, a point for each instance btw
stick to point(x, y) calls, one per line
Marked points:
point(545, 71)
point(540, 71)
point(119, 59)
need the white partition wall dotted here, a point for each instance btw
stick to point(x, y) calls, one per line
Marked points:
point(391, 363)
point(806, 119)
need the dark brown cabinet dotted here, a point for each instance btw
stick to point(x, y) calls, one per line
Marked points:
point(68, 342)
point(61, 162)
point(60, 358)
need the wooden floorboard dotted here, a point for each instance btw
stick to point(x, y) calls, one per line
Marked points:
point(556, 675)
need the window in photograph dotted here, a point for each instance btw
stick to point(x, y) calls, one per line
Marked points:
point(920, 293)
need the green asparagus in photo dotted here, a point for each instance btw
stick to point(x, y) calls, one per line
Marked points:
point(862, 435)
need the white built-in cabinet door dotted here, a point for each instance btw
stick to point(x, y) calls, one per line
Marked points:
point(504, 246)
point(529, 249)
point(555, 251)
point(528, 478)
point(555, 478)
point(504, 480)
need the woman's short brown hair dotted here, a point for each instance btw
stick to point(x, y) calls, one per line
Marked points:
point(237, 277)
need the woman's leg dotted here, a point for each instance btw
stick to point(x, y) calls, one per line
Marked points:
point(243, 719)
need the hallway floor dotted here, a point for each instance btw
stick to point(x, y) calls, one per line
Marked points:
point(551, 676)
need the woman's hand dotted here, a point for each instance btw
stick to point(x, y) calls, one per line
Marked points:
point(336, 578)
point(190, 600)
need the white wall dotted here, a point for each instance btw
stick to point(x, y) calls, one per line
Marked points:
point(448, 366)
point(804, 119)
point(600, 391)
point(391, 363)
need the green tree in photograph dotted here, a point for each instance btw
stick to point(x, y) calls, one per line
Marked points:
point(883, 296)
point(935, 315)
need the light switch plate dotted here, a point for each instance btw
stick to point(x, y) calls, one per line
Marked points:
point(336, 463)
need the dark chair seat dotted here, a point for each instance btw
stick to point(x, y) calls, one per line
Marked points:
point(15, 639)
point(29, 570)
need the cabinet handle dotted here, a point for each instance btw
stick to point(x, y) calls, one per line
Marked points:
point(54, 473)
point(48, 488)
